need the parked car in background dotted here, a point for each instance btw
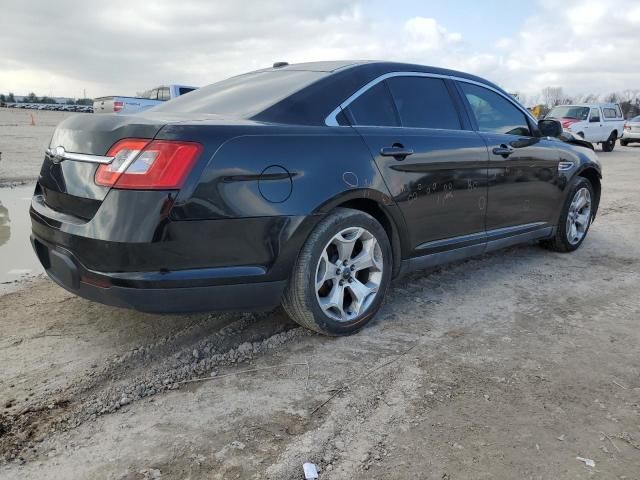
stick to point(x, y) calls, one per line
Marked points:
point(151, 98)
point(310, 185)
point(601, 123)
point(631, 131)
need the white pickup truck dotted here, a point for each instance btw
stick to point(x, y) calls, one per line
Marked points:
point(149, 99)
point(597, 123)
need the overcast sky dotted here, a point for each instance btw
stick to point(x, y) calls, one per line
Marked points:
point(122, 47)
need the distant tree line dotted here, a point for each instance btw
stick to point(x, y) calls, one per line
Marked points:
point(33, 98)
point(550, 97)
point(8, 98)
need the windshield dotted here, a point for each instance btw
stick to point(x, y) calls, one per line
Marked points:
point(566, 111)
point(244, 95)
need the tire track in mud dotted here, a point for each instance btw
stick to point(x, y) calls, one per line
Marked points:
point(149, 369)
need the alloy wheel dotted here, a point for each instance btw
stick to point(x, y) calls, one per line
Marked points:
point(348, 274)
point(579, 216)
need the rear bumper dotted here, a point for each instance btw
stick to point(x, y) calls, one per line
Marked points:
point(631, 136)
point(157, 292)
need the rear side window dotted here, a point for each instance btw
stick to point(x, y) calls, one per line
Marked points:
point(374, 108)
point(610, 113)
point(163, 94)
point(244, 95)
point(424, 103)
point(183, 90)
point(493, 112)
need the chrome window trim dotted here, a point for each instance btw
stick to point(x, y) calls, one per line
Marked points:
point(78, 157)
point(332, 120)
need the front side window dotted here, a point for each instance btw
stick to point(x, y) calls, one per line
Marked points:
point(494, 113)
point(424, 102)
point(595, 115)
point(374, 108)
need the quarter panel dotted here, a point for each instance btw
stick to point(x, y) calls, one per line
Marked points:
point(322, 164)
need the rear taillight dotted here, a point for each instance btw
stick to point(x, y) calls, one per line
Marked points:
point(141, 164)
point(117, 106)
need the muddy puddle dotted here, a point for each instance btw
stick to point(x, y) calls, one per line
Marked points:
point(17, 259)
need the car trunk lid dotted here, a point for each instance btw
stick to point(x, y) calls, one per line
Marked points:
point(78, 147)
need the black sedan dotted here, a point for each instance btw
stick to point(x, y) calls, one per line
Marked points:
point(309, 185)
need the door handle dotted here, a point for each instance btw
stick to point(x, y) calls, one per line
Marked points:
point(504, 150)
point(397, 151)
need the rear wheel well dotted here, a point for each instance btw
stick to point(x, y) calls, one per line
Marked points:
point(594, 177)
point(375, 210)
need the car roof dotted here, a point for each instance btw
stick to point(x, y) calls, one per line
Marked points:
point(335, 65)
point(337, 80)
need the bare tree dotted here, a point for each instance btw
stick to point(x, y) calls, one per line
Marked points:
point(554, 96)
point(612, 98)
point(629, 102)
point(590, 98)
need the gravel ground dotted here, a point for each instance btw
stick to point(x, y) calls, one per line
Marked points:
point(509, 365)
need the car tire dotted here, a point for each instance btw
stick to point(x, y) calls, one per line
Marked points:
point(332, 298)
point(610, 143)
point(565, 238)
point(624, 143)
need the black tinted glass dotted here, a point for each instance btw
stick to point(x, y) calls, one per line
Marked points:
point(424, 103)
point(374, 107)
point(244, 95)
point(493, 112)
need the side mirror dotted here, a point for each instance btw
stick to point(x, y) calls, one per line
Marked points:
point(550, 128)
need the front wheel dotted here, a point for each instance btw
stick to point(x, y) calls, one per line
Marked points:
point(341, 275)
point(575, 218)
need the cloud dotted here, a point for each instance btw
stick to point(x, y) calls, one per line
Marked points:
point(123, 47)
point(581, 46)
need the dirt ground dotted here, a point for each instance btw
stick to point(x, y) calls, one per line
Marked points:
point(507, 366)
point(24, 135)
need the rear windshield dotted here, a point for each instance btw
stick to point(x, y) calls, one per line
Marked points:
point(635, 119)
point(579, 113)
point(244, 95)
